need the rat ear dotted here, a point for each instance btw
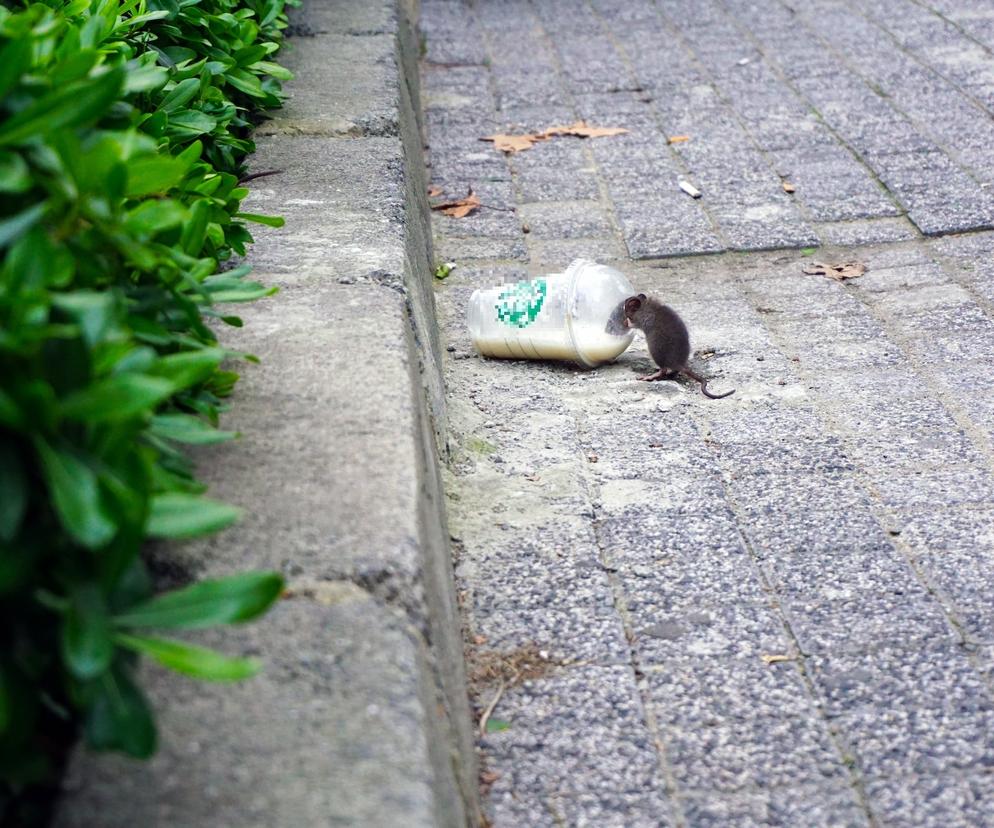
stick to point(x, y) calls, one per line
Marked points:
point(632, 304)
point(642, 296)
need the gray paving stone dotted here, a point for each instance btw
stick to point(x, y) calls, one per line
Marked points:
point(855, 620)
point(565, 220)
point(957, 801)
point(801, 511)
point(920, 710)
point(578, 731)
point(558, 253)
point(819, 807)
point(645, 809)
point(732, 630)
point(581, 633)
point(853, 233)
point(956, 484)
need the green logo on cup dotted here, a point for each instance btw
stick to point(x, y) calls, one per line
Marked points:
point(520, 304)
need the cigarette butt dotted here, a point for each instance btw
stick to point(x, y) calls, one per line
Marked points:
point(690, 189)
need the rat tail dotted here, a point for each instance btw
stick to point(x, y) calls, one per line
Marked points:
point(704, 386)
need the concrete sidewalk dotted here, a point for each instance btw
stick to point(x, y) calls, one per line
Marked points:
point(777, 608)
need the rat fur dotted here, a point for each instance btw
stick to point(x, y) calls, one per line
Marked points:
point(667, 338)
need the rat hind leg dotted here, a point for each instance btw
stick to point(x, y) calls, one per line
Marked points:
point(661, 374)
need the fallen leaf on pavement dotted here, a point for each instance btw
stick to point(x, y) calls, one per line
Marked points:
point(841, 272)
point(459, 208)
point(518, 143)
point(776, 658)
point(513, 143)
point(581, 129)
point(434, 192)
point(677, 139)
point(788, 187)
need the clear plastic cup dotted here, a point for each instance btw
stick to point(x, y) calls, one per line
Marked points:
point(573, 316)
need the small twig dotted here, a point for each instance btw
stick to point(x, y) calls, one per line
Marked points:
point(253, 176)
point(490, 708)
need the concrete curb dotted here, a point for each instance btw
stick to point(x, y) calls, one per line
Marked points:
point(360, 716)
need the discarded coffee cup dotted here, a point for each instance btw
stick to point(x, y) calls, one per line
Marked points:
point(569, 316)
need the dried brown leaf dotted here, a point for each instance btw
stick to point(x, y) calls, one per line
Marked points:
point(788, 187)
point(460, 208)
point(677, 139)
point(580, 129)
point(513, 143)
point(434, 191)
point(776, 658)
point(840, 272)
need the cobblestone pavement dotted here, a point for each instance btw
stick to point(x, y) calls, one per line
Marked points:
point(777, 608)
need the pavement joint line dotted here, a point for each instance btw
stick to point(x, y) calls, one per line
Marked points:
point(957, 277)
point(674, 155)
point(884, 514)
point(606, 203)
point(891, 99)
point(775, 67)
point(841, 744)
point(621, 605)
point(799, 203)
point(963, 90)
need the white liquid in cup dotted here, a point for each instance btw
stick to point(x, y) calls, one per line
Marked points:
point(560, 316)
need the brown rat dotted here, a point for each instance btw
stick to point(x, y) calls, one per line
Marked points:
point(667, 338)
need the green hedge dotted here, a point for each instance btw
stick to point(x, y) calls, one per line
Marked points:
point(123, 127)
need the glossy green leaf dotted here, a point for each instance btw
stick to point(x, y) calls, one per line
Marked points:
point(13, 490)
point(154, 174)
point(270, 221)
point(71, 105)
point(245, 82)
point(87, 647)
point(14, 174)
point(195, 229)
point(189, 367)
point(15, 59)
point(198, 662)
point(15, 226)
point(10, 414)
point(144, 79)
point(185, 428)
point(120, 718)
point(184, 92)
point(154, 216)
point(191, 122)
point(93, 311)
point(117, 398)
point(273, 69)
point(179, 516)
point(75, 494)
point(230, 600)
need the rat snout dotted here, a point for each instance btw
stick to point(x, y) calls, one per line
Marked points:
point(626, 322)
